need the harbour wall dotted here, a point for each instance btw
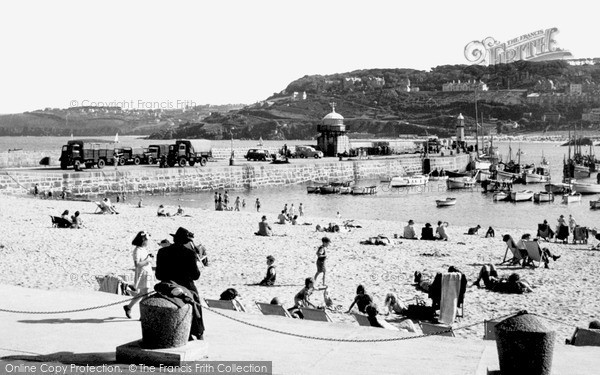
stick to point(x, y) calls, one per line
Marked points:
point(152, 180)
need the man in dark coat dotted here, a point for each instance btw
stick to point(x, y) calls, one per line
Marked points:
point(178, 263)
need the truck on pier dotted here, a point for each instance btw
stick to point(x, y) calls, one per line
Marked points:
point(190, 152)
point(78, 152)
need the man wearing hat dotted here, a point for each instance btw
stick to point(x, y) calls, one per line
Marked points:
point(271, 272)
point(409, 231)
point(177, 263)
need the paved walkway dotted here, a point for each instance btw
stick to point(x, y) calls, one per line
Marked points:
point(92, 336)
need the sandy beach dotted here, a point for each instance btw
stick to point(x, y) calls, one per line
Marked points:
point(34, 254)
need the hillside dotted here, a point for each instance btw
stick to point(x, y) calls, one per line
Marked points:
point(520, 97)
point(378, 102)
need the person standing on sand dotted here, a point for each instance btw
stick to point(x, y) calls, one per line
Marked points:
point(143, 270)
point(572, 223)
point(237, 204)
point(226, 198)
point(321, 257)
point(257, 205)
point(216, 200)
point(243, 202)
point(177, 263)
point(300, 210)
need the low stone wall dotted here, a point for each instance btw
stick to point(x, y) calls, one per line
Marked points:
point(248, 176)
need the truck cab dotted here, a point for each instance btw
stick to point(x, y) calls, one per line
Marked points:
point(190, 152)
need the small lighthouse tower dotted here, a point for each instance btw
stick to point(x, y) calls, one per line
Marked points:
point(333, 139)
point(460, 129)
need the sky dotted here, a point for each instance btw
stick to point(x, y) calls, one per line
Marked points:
point(166, 54)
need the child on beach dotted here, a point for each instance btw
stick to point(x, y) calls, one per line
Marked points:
point(257, 205)
point(302, 298)
point(76, 220)
point(321, 256)
point(243, 202)
point(269, 279)
point(300, 210)
point(237, 204)
point(362, 300)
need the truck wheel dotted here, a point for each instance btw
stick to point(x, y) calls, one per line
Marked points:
point(77, 165)
point(136, 161)
point(192, 163)
point(151, 160)
point(122, 161)
point(203, 161)
point(101, 163)
point(182, 162)
point(316, 156)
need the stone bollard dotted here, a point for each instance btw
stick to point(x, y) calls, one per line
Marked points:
point(164, 325)
point(525, 345)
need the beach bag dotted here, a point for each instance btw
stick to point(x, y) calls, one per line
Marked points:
point(419, 311)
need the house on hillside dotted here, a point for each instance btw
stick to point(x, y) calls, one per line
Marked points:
point(465, 86)
point(551, 117)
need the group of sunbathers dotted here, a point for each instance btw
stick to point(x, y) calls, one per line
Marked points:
point(426, 232)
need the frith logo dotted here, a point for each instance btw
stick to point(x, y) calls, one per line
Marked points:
point(535, 46)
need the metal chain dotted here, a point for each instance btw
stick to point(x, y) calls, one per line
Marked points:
point(345, 340)
point(75, 310)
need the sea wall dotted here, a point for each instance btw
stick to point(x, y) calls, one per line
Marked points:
point(151, 179)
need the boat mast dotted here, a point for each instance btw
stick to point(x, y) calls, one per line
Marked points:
point(476, 125)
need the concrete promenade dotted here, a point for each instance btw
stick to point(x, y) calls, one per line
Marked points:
point(90, 337)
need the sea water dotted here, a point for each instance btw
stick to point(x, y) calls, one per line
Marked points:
point(400, 204)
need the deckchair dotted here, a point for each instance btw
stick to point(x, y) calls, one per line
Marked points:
point(362, 319)
point(580, 234)
point(103, 209)
point(516, 256)
point(534, 253)
point(218, 304)
point(585, 337)
point(451, 285)
point(269, 309)
point(433, 329)
point(544, 231)
point(315, 314)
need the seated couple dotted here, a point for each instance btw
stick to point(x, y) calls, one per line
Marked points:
point(520, 252)
point(74, 221)
point(511, 284)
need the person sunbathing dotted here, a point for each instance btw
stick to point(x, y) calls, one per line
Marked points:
point(393, 304)
point(372, 314)
point(231, 294)
point(264, 229)
point(282, 218)
point(161, 211)
point(511, 284)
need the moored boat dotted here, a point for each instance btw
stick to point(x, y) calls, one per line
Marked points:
point(595, 204)
point(571, 198)
point(521, 196)
point(557, 187)
point(329, 189)
point(460, 182)
point(313, 189)
point(445, 202)
point(402, 181)
point(438, 178)
point(501, 196)
point(581, 171)
point(543, 196)
point(585, 188)
point(364, 190)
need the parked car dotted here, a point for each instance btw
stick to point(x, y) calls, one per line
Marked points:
point(308, 152)
point(258, 154)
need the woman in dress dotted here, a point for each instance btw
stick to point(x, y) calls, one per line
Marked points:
point(143, 269)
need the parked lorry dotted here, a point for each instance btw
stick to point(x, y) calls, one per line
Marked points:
point(77, 153)
point(133, 155)
point(155, 152)
point(189, 152)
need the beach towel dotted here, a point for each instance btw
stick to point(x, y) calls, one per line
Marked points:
point(450, 293)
